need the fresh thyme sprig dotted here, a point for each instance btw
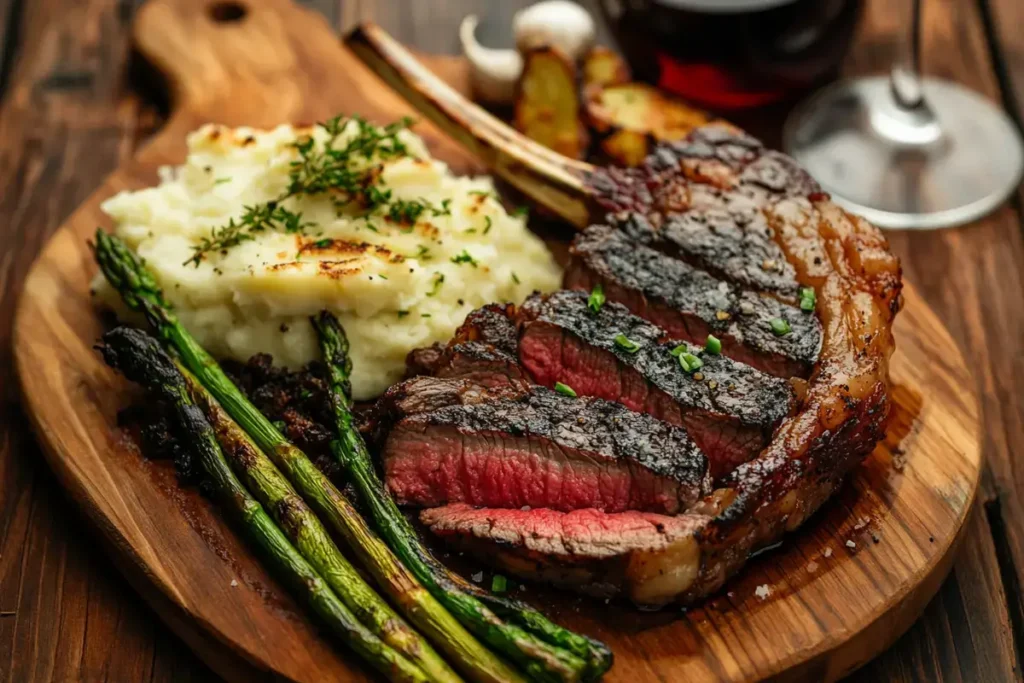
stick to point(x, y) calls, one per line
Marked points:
point(349, 174)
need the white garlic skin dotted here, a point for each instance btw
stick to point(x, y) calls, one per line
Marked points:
point(493, 74)
point(555, 23)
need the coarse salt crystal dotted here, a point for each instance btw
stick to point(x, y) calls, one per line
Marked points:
point(827, 553)
point(763, 591)
point(851, 544)
point(478, 577)
point(812, 566)
point(234, 583)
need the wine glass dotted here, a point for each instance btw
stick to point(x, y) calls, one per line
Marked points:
point(905, 151)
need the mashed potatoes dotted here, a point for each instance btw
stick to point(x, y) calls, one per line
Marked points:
point(395, 285)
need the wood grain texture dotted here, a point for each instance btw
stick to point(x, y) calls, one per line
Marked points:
point(826, 615)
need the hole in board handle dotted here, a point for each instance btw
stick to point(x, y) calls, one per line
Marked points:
point(228, 12)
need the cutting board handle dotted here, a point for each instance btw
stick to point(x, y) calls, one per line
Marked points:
point(235, 62)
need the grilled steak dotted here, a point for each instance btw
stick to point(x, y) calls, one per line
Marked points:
point(729, 409)
point(483, 350)
point(587, 550)
point(690, 304)
point(736, 245)
point(536, 448)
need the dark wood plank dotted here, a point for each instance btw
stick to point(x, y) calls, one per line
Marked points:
point(65, 123)
point(971, 276)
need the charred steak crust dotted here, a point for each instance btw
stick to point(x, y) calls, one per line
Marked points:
point(690, 303)
point(537, 448)
point(728, 408)
point(734, 244)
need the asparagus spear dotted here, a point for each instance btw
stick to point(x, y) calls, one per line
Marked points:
point(350, 449)
point(310, 537)
point(140, 358)
point(141, 293)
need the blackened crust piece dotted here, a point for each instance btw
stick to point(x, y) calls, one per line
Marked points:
point(585, 550)
point(690, 304)
point(729, 409)
point(538, 448)
point(483, 350)
point(734, 244)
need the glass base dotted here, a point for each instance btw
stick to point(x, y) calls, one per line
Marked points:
point(943, 164)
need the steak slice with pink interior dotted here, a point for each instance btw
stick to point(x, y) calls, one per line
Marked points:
point(690, 304)
point(537, 448)
point(729, 409)
point(586, 550)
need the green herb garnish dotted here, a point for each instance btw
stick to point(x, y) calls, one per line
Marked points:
point(626, 344)
point(713, 345)
point(780, 327)
point(499, 584)
point(808, 298)
point(564, 389)
point(464, 257)
point(596, 299)
point(487, 224)
point(347, 173)
point(515, 278)
point(438, 281)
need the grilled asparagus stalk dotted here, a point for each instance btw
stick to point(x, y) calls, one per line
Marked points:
point(311, 539)
point(141, 359)
point(458, 595)
point(141, 293)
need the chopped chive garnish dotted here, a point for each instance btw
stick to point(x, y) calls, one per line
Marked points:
point(515, 278)
point(220, 181)
point(382, 277)
point(324, 243)
point(438, 281)
point(564, 389)
point(499, 584)
point(521, 211)
point(402, 314)
point(424, 315)
point(487, 224)
point(464, 257)
point(780, 327)
point(808, 298)
point(690, 362)
point(713, 345)
point(596, 299)
point(626, 344)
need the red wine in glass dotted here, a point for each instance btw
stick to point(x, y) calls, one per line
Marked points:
point(734, 54)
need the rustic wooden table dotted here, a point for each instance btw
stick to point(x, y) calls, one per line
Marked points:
point(73, 104)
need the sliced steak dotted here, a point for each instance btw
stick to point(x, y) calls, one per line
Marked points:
point(736, 245)
point(537, 448)
point(587, 550)
point(728, 408)
point(483, 350)
point(690, 304)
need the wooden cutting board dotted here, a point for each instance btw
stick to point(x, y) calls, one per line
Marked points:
point(839, 591)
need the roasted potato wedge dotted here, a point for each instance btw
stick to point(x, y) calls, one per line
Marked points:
point(630, 117)
point(603, 67)
point(547, 106)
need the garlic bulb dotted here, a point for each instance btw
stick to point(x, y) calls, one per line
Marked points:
point(493, 73)
point(555, 23)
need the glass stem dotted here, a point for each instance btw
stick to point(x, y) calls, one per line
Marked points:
point(905, 75)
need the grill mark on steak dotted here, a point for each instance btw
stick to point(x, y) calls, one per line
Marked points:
point(735, 245)
point(536, 448)
point(586, 550)
point(690, 304)
point(729, 409)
